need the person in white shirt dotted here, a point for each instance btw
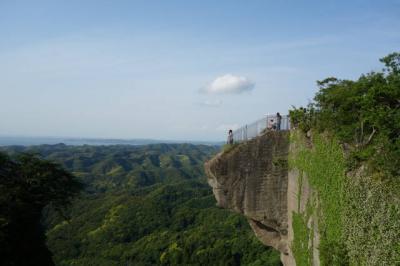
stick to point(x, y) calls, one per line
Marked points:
point(271, 125)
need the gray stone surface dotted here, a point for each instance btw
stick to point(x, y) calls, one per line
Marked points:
point(252, 179)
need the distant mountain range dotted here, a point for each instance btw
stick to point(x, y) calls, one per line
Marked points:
point(141, 205)
point(28, 141)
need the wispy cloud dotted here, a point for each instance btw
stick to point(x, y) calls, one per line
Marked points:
point(229, 84)
point(209, 103)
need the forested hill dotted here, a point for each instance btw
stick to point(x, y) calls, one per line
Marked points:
point(145, 205)
point(106, 168)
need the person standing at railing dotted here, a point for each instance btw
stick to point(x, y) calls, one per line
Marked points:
point(230, 137)
point(278, 121)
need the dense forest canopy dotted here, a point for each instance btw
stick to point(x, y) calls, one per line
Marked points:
point(363, 114)
point(145, 205)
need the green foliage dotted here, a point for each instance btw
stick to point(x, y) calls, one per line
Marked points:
point(112, 168)
point(359, 214)
point(27, 185)
point(301, 250)
point(147, 205)
point(302, 118)
point(364, 114)
point(372, 221)
point(392, 62)
point(229, 147)
point(325, 168)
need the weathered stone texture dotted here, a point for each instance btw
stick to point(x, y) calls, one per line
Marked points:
point(252, 179)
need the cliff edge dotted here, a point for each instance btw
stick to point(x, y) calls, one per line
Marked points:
point(251, 178)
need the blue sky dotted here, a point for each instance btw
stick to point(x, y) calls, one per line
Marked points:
point(177, 69)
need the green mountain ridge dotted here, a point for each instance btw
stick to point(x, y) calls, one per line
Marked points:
point(145, 205)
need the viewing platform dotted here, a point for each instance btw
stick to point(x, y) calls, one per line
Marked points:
point(258, 127)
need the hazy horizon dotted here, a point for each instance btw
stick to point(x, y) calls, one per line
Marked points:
point(8, 140)
point(174, 70)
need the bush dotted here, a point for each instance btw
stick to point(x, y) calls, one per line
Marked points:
point(364, 113)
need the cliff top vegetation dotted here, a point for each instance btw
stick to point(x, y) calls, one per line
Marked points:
point(363, 114)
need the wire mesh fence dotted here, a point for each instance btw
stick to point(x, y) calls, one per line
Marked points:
point(269, 122)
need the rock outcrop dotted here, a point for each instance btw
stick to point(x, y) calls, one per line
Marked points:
point(252, 178)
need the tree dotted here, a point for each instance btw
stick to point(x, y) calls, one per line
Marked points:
point(27, 185)
point(364, 113)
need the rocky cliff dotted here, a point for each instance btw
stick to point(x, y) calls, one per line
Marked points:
point(252, 178)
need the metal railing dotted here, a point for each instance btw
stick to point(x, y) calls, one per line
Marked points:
point(258, 127)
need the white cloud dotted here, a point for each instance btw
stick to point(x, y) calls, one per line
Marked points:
point(229, 84)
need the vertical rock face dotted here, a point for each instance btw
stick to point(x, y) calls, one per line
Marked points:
point(252, 178)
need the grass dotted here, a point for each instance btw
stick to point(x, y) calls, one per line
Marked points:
point(229, 147)
point(324, 166)
point(301, 251)
point(358, 213)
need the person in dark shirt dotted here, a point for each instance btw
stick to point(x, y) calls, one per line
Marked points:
point(278, 121)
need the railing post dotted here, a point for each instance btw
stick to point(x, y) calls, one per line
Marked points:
point(243, 133)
